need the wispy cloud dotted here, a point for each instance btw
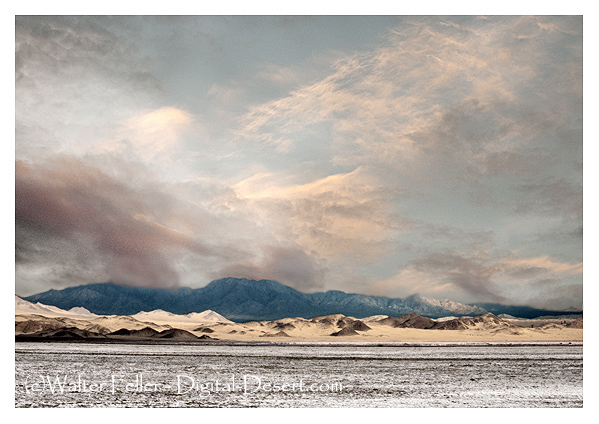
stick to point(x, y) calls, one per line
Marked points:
point(466, 89)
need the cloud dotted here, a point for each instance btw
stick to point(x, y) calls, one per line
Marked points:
point(559, 296)
point(457, 116)
point(71, 51)
point(558, 197)
point(289, 265)
point(278, 75)
point(431, 90)
point(71, 201)
point(135, 230)
point(469, 275)
point(225, 93)
point(542, 264)
point(337, 215)
point(482, 278)
point(76, 78)
point(154, 132)
point(119, 223)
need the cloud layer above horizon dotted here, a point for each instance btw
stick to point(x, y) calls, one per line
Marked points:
point(379, 155)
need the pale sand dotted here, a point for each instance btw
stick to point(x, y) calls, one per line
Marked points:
point(382, 333)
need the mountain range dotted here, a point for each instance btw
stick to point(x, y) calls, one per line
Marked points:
point(240, 299)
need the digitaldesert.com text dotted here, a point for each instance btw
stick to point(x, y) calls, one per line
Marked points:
point(182, 384)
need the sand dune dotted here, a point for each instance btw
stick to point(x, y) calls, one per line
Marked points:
point(408, 328)
point(24, 307)
point(38, 321)
point(163, 317)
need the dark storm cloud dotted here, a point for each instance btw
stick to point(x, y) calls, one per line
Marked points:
point(69, 199)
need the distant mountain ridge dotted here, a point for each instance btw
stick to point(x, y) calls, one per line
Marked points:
point(525, 311)
point(240, 299)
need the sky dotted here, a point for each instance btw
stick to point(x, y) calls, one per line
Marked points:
point(384, 155)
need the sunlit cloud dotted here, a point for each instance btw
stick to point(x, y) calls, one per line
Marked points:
point(544, 263)
point(332, 216)
point(156, 131)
